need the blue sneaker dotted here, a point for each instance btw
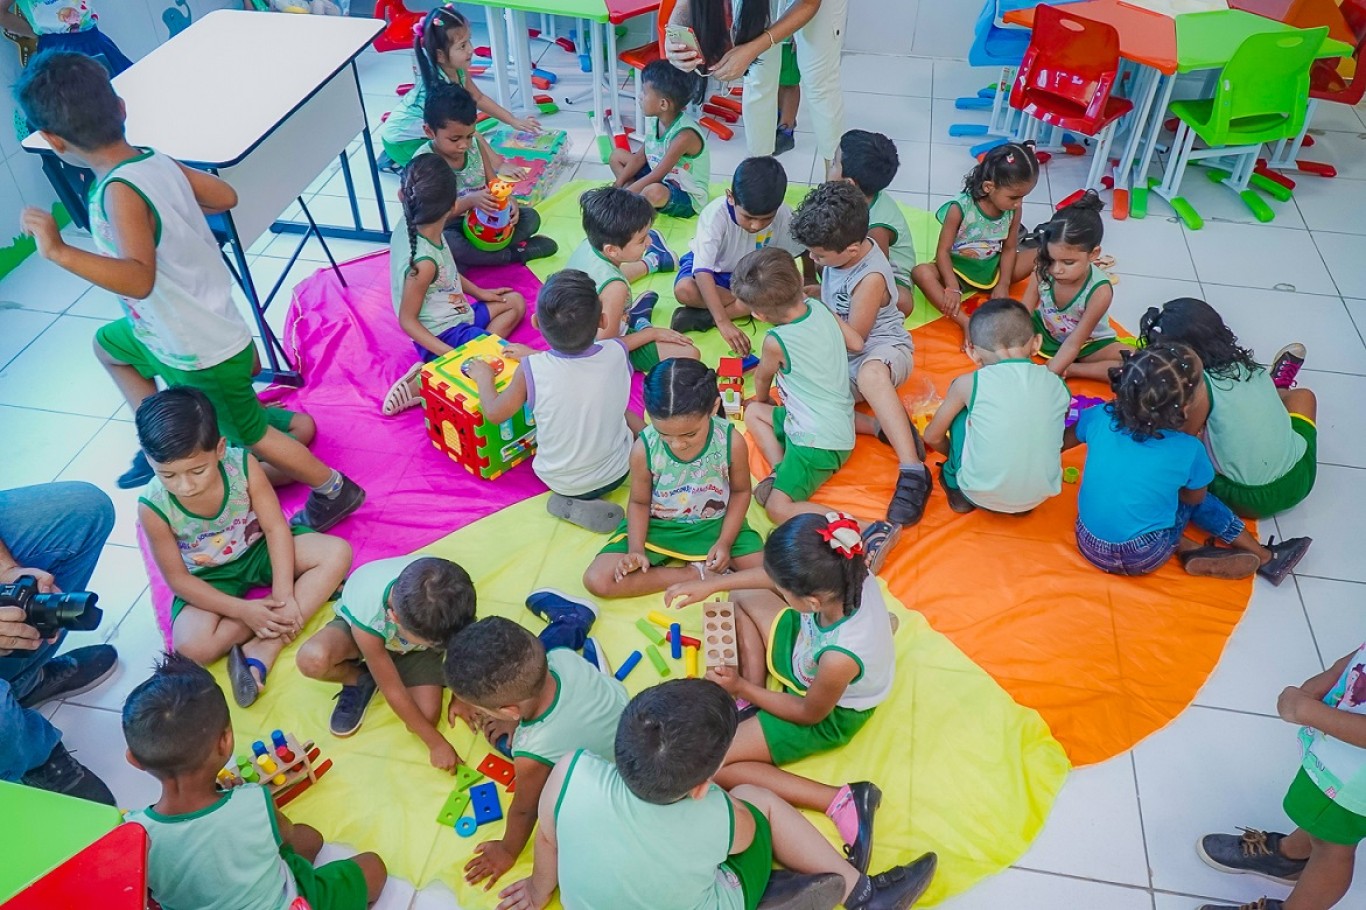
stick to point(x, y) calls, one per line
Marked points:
point(658, 257)
point(638, 316)
point(592, 652)
point(568, 619)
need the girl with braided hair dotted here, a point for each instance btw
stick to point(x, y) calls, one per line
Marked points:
point(444, 51)
point(814, 615)
point(431, 297)
point(1146, 479)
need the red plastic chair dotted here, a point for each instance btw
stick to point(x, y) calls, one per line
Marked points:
point(398, 34)
point(1066, 79)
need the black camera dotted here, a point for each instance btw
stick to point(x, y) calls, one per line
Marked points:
point(49, 613)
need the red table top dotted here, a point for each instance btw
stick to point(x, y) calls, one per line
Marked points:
point(1145, 36)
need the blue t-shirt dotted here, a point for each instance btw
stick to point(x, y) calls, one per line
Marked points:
point(1130, 488)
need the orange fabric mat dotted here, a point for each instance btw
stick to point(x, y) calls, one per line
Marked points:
point(1106, 660)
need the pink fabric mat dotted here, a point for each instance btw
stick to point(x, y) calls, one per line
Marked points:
point(349, 347)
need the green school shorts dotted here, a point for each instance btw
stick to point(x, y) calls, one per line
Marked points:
point(977, 274)
point(644, 358)
point(415, 668)
point(1051, 345)
point(688, 541)
point(236, 578)
point(338, 885)
point(754, 865)
point(1311, 809)
point(802, 470)
point(789, 742)
point(1282, 493)
point(788, 73)
point(402, 152)
point(241, 416)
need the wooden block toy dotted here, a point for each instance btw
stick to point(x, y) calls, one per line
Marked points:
point(455, 422)
point(465, 776)
point(730, 380)
point(495, 767)
point(285, 777)
point(657, 659)
point(718, 634)
point(453, 808)
point(484, 800)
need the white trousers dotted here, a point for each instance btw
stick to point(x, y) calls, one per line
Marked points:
point(819, 45)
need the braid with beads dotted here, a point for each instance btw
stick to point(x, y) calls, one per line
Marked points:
point(1152, 388)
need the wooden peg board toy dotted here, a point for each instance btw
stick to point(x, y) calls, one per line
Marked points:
point(286, 767)
point(719, 645)
point(455, 422)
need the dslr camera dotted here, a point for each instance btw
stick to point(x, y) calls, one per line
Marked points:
point(49, 613)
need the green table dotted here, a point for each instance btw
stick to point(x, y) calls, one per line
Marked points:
point(42, 830)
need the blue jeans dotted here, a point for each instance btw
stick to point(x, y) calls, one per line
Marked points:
point(60, 528)
point(1148, 552)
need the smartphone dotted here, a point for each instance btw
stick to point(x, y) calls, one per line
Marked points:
point(681, 34)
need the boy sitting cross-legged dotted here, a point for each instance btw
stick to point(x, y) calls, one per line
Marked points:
point(551, 702)
point(222, 851)
point(654, 831)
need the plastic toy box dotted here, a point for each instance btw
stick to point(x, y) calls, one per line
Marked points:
point(455, 422)
point(543, 156)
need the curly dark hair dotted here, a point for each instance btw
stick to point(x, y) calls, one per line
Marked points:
point(1193, 322)
point(833, 216)
point(1152, 388)
point(1009, 164)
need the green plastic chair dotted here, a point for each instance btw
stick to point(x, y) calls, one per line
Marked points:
point(1262, 96)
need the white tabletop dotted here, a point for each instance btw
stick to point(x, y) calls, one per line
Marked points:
point(214, 91)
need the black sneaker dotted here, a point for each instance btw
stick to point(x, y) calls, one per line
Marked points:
point(643, 308)
point(784, 140)
point(878, 540)
point(788, 890)
point(1251, 853)
point(538, 247)
point(1285, 555)
point(866, 798)
point(72, 673)
point(322, 513)
point(1287, 365)
point(896, 889)
point(913, 486)
point(957, 501)
point(138, 475)
point(1211, 561)
point(1261, 903)
point(351, 704)
point(63, 774)
point(691, 319)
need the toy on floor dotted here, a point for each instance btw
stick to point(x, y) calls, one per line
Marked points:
point(730, 379)
point(287, 767)
point(491, 231)
point(497, 768)
point(718, 634)
point(1071, 475)
point(541, 157)
point(487, 808)
point(1079, 404)
point(455, 422)
point(627, 666)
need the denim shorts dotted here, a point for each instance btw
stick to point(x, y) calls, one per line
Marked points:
point(679, 204)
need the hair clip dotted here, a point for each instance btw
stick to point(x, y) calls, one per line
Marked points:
point(842, 533)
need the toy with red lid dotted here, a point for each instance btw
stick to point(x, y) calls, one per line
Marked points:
point(455, 422)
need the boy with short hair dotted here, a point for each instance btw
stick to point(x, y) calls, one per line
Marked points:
point(620, 247)
point(672, 169)
point(751, 216)
point(448, 116)
point(215, 531)
point(1001, 426)
point(552, 703)
point(858, 286)
point(155, 251)
point(393, 620)
point(177, 728)
point(869, 161)
point(583, 442)
point(1326, 800)
point(609, 834)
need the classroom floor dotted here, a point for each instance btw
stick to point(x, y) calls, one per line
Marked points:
point(1121, 834)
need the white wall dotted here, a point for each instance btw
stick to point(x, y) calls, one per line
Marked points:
point(926, 28)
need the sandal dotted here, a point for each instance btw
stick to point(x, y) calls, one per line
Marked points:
point(878, 540)
point(245, 688)
point(400, 396)
point(764, 489)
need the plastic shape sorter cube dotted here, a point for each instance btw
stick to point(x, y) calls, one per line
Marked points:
point(455, 422)
point(719, 645)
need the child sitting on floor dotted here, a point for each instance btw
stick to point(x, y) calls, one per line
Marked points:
point(393, 619)
point(655, 831)
point(1146, 479)
point(583, 442)
point(750, 217)
point(215, 530)
point(1326, 800)
point(444, 51)
point(980, 234)
point(554, 702)
point(858, 286)
point(814, 615)
point(811, 434)
point(177, 728)
point(1001, 425)
point(1260, 432)
point(448, 123)
point(689, 491)
point(869, 161)
point(673, 168)
point(431, 297)
point(1069, 295)
point(619, 248)
point(155, 250)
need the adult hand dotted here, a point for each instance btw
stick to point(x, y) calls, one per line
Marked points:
point(46, 583)
point(735, 339)
point(682, 56)
point(15, 634)
point(732, 65)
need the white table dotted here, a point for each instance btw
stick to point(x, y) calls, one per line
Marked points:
point(266, 101)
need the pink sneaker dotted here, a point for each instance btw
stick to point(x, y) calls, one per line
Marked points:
point(1287, 365)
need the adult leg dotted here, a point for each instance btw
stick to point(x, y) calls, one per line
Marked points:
point(819, 44)
point(26, 737)
point(1325, 879)
point(759, 110)
point(58, 527)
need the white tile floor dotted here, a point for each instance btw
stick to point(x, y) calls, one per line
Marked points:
point(1121, 834)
